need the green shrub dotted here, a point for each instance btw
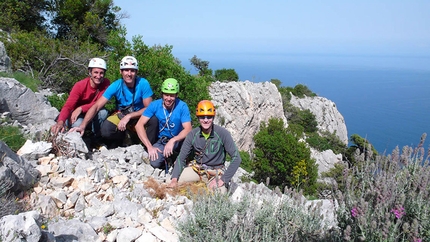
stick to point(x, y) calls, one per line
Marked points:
point(12, 136)
point(58, 64)
point(280, 156)
point(246, 163)
point(226, 75)
point(326, 141)
point(299, 91)
point(58, 101)
point(304, 118)
point(360, 147)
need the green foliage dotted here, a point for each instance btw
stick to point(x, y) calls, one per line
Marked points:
point(24, 79)
point(246, 163)
point(277, 152)
point(362, 143)
point(201, 66)
point(58, 101)
point(360, 147)
point(326, 141)
point(217, 218)
point(26, 15)
point(84, 20)
point(12, 136)
point(226, 75)
point(57, 64)
point(304, 118)
point(386, 199)
point(277, 82)
point(299, 91)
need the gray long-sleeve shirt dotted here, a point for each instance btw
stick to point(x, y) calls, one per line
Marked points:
point(220, 142)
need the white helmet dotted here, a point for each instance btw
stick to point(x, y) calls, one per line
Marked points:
point(97, 63)
point(128, 62)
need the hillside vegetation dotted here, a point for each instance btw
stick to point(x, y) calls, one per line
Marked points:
point(381, 198)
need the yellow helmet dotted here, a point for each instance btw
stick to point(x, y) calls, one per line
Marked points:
point(205, 107)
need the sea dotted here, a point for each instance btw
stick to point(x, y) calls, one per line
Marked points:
point(384, 99)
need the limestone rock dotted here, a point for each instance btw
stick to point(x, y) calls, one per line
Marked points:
point(326, 114)
point(24, 105)
point(17, 171)
point(242, 106)
point(5, 63)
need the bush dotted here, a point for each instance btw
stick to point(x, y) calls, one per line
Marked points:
point(226, 75)
point(386, 199)
point(217, 218)
point(12, 136)
point(299, 91)
point(58, 101)
point(360, 149)
point(304, 118)
point(280, 156)
point(246, 163)
point(326, 141)
point(58, 64)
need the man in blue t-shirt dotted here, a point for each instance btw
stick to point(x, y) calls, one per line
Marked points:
point(133, 94)
point(174, 123)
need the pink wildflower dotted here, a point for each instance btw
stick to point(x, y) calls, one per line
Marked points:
point(399, 212)
point(417, 240)
point(354, 212)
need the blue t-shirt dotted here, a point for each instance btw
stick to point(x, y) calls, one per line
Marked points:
point(124, 95)
point(176, 117)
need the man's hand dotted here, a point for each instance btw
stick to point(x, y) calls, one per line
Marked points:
point(75, 115)
point(77, 129)
point(122, 125)
point(173, 183)
point(213, 184)
point(153, 153)
point(58, 127)
point(168, 148)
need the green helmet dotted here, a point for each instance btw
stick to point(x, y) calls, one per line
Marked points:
point(170, 86)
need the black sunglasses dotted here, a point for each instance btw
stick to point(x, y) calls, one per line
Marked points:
point(206, 117)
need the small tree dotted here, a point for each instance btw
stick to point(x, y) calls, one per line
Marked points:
point(201, 66)
point(360, 146)
point(280, 156)
point(226, 75)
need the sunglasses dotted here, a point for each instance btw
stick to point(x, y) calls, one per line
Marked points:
point(205, 117)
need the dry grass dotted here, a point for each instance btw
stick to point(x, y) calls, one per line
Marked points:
point(189, 189)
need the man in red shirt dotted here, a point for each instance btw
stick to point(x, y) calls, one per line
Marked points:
point(83, 95)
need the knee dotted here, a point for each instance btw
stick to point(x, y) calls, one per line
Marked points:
point(102, 114)
point(109, 131)
point(157, 163)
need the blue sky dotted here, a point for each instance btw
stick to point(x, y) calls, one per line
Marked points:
point(281, 26)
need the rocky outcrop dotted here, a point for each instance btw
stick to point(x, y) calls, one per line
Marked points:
point(105, 193)
point(105, 198)
point(242, 106)
point(325, 159)
point(5, 64)
point(25, 106)
point(325, 111)
point(16, 173)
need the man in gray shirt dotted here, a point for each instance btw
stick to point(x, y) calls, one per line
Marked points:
point(210, 143)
